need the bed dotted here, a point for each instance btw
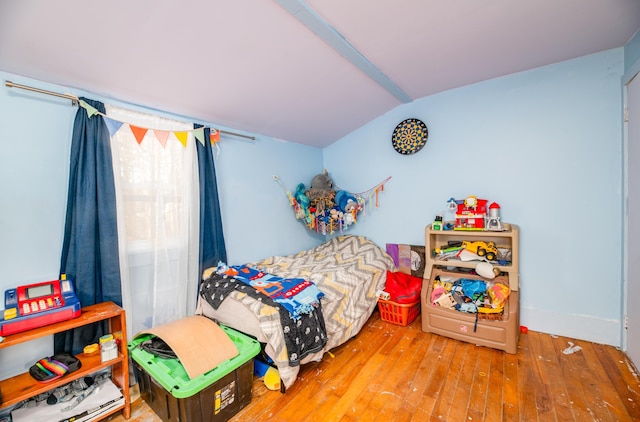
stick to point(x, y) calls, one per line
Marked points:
point(348, 270)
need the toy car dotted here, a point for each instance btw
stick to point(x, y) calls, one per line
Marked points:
point(480, 248)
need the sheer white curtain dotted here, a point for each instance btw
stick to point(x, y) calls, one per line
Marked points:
point(157, 211)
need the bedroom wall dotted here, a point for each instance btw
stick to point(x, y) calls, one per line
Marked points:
point(632, 54)
point(35, 139)
point(546, 145)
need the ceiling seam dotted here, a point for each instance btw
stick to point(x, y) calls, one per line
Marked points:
point(299, 10)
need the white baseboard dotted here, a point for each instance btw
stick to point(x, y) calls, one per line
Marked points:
point(579, 327)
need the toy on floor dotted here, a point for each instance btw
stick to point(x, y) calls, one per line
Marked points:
point(268, 373)
point(272, 379)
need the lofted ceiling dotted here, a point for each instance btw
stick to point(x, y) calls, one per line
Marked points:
point(302, 71)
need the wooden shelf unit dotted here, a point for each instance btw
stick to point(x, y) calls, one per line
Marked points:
point(23, 386)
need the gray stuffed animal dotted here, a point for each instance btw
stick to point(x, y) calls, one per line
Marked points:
point(321, 194)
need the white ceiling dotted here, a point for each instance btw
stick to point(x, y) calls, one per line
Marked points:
point(307, 72)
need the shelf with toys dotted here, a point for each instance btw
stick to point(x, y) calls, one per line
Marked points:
point(474, 250)
point(445, 248)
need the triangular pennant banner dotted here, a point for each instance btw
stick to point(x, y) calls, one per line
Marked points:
point(199, 134)
point(182, 137)
point(112, 125)
point(162, 136)
point(138, 132)
point(215, 136)
point(91, 111)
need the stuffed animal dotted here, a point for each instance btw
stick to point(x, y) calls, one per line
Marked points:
point(321, 194)
point(304, 202)
point(346, 201)
point(322, 181)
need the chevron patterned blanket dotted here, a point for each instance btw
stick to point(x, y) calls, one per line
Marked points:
point(347, 269)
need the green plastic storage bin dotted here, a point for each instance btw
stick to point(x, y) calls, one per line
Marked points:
point(212, 397)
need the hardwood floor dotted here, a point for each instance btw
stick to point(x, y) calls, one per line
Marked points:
point(395, 373)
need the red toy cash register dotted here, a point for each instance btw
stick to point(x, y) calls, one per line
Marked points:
point(35, 305)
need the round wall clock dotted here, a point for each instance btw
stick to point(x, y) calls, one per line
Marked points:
point(409, 136)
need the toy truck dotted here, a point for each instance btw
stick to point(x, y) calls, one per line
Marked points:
point(480, 248)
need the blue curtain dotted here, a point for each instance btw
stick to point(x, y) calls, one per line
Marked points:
point(90, 249)
point(212, 247)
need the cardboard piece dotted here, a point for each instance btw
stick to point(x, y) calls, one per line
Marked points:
point(409, 259)
point(198, 342)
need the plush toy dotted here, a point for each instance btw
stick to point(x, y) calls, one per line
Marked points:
point(346, 201)
point(304, 202)
point(321, 194)
point(322, 181)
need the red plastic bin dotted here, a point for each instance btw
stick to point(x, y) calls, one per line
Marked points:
point(398, 313)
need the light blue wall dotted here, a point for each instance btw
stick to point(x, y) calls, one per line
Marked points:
point(258, 221)
point(632, 54)
point(546, 145)
point(35, 139)
point(34, 167)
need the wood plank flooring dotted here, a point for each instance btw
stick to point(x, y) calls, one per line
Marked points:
point(394, 373)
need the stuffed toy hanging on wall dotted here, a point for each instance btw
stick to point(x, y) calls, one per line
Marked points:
point(325, 208)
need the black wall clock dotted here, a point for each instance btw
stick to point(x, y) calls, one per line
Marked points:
point(409, 136)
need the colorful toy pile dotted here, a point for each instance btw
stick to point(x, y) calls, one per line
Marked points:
point(470, 295)
point(324, 208)
point(471, 213)
point(477, 250)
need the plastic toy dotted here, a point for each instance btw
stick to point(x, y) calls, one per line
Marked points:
point(470, 213)
point(499, 294)
point(446, 300)
point(272, 379)
point(493, 219)
point(437, 223)
point(452, 247)
point(486, 270)
point(482, 249)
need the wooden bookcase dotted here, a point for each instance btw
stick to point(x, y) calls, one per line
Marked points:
point(23, 386)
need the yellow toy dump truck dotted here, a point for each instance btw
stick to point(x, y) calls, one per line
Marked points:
point(480, 248)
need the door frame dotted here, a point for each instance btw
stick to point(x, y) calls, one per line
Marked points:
point(633, 74)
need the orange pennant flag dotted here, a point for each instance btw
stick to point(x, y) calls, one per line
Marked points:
point(182, 137)
point(138, 133)
point(215, 136)
point(162, 136)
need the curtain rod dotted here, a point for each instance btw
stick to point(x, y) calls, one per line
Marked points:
point(75, 101)
point(73, 98)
